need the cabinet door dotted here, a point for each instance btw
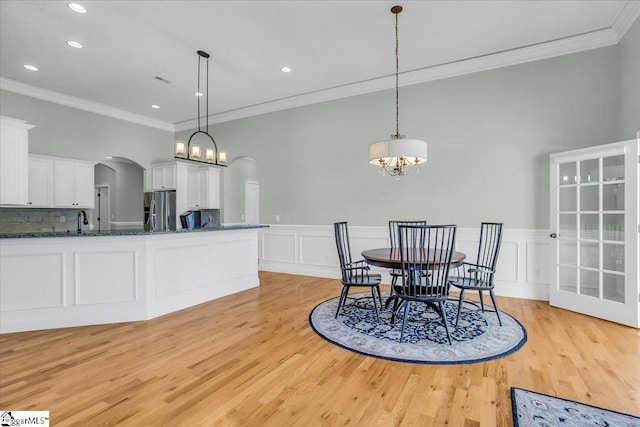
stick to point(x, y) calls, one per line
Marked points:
point(213, 189)
point(170, 177)
point(64, 194)
point(193, 188)
point(203, 188)
point(40, 182)
point(157, 178)
point(163, 177)
point(14, 162)
point(203, 178)
point(84, 187)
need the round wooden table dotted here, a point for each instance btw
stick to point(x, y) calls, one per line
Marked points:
point(390, 257)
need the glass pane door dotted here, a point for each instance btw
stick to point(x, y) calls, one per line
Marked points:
point(589, 193)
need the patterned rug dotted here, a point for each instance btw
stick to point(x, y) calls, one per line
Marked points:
point(477, 338)
point(531, 409)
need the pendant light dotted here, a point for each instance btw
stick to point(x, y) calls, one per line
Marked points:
point(396, 154)
point(186, 151)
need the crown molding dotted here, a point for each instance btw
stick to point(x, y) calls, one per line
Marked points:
point(625, 19)
point(81, 104)
point(629, 13)
point(554, 48)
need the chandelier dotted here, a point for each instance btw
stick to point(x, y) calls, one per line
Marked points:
point(186, 151)
point(396, 154)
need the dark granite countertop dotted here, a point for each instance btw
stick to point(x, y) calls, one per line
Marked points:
point(39, 234)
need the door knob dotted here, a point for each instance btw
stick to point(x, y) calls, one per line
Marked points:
point(553, 235)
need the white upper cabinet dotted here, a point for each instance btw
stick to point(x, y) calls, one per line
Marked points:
point(14, 161)
point(163, 176)
point(40, 181)
point(73, 183)
point(57, 182)
point(203, 188)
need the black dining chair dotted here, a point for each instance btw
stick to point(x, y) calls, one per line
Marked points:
point(424, 248)
point(394, 243)
point(354, 273)
point(479, 276)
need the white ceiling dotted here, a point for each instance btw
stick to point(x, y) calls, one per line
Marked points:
point(335, 48)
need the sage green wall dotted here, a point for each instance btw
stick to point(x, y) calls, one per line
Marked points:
point(126, 186)
point(130, 191)
point(234, 177)
point(490, 135)
point(69, 132)
point(630, 83)
point(107, 175)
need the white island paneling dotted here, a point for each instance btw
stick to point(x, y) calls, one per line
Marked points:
point(58, 282)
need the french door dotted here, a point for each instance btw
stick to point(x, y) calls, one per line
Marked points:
point(594, 223)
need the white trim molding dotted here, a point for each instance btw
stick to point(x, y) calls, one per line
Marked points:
point(310, 250)
point(81, 104)
point(592, 40)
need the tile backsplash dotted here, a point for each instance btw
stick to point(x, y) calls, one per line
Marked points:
point(27, 220)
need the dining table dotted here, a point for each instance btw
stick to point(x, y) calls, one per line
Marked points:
point(390, 258)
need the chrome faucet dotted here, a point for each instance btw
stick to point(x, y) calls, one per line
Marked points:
point(85, 221)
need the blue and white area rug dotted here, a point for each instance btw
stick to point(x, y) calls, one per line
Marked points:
point(531, 409)
point(477, 338)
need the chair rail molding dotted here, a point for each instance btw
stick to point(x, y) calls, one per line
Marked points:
point(310, 250)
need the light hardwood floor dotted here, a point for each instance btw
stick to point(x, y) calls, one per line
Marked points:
point(251, 359)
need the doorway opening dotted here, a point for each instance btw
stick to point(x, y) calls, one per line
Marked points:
point(102, 207)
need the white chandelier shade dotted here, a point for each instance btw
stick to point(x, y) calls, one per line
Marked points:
point(403, 151)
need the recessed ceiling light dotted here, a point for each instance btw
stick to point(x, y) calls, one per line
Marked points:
point(285, 69)
point(76, 7)
point(156, 106)
point(30, 67)
point(199, 94)
point(74, 44)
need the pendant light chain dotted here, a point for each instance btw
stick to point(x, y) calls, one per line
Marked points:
point(199, 95)
point(397, 91)
point(207, 100)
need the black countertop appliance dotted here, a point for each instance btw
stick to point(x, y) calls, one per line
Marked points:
point(190, 220)
point(204, 218)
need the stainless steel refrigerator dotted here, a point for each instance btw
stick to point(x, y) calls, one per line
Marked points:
point(160, 210)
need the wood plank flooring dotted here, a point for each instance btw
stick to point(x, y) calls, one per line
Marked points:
point(251, 359)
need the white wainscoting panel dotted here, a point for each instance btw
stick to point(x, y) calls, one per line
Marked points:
point(236, 259)
point(538, 263)
point(507, 267)
point(182, 267)
point(31, 281)
point(105, 277)
point(311, 250)
point(318, 250)
point(280, 247)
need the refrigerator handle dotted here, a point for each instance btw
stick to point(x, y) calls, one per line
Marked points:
point(152, 215)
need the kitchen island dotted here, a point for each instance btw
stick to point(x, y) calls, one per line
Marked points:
point(54, 280)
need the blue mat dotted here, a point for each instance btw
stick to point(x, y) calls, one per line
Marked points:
point(478, 337)
point(536, 409)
